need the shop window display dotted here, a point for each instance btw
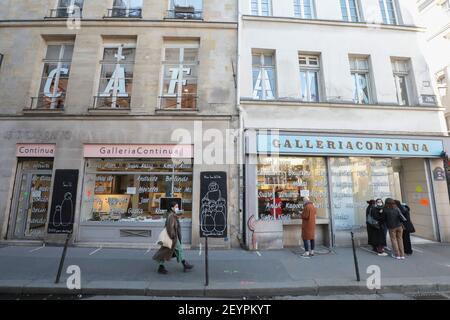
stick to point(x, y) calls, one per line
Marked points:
point(133, 190)
point(283, 182)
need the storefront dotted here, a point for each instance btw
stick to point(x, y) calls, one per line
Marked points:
point(128, 188)
point(339, 174)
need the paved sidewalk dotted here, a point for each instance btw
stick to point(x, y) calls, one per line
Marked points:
point(233, 273)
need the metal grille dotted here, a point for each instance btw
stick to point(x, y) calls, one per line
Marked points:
point(135, 233)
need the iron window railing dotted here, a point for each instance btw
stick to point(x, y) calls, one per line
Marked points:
point(124, 13)
point(65, 12)
point(112, 103)
point(186, 101)
point(184, 15)
point(43, 102)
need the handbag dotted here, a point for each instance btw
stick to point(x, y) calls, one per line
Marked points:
point(164, 239)
point(372, 221)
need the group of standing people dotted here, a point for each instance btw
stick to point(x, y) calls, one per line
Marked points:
point(393, 217)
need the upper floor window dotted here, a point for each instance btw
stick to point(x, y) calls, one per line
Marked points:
point(389, 11)
point(55, 77)
point(304, 9)
point(126, 9)
point(261, 7)
point(403, 83)
point(185, 9)
point(180, 77)
point(360, 71)
point(116, 76)
point(67, 8)
point(309, 77)
point(350, 10)
point(264, 87)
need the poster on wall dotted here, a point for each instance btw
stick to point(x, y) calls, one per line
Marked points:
point(62, 212)
point(213, 204)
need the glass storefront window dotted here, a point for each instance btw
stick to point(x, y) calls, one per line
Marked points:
point(131, 190)
point(283, 182)
point(354, 182)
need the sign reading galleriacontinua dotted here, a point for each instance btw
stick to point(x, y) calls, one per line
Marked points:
point(285, 144)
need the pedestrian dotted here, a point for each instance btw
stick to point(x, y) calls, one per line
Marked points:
point(376, 226)
point(174, 231)
point(394, 224)
point(408, 227)
point(308, 226)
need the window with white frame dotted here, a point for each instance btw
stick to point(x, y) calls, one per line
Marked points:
point(310, 78)
point(127, 8)
point(360, 72)
point(261, 7)
point(304, 9)
point(350, 10)
point(402, 78)
point(263, 65)
point(180, 77)
point(116, 77)
point(68, 8)
point(55, 77)
point(389, 11)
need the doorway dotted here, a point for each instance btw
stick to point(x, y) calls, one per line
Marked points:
point(29, 212)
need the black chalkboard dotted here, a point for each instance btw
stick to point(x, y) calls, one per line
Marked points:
point(213, 204)
point(64, 197)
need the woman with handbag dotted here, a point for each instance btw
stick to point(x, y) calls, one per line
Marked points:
point(408, 227)
point(170, 241)
point(394, 224)
point(376, 227)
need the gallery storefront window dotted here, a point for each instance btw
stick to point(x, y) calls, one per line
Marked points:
point(283, 182)
point(136, 190)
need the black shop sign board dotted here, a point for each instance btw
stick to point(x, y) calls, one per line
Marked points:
point(213, 204)
point(62, 213)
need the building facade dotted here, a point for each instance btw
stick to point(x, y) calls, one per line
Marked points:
point(126, 94)
point(338, 105)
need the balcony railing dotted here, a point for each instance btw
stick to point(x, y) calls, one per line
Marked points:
point(65, 12)
point(184, 102)
point(124, 13)
point(184, 14)
point(47, 103)
point(112, 103)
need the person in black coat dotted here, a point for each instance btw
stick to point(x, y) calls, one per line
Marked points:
point(408, 227)
point(376, 233)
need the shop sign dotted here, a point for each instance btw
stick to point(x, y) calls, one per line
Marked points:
point(439, 174)
point(284, 144)
point(213, 204)
point(138, 151)
point(35, 150)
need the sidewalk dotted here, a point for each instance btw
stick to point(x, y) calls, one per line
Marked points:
point(233, 273)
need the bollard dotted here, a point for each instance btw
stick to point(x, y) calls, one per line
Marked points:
point(355, 259)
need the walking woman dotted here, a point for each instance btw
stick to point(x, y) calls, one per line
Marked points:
point(394, 225)
point(174, 231)
point(376, 227)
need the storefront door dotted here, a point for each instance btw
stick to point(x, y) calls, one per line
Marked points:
point(31, 200)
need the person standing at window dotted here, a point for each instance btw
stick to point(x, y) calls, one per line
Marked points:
point(394, 224)
point(376, 232)
point(308, 226)
point(174, 231)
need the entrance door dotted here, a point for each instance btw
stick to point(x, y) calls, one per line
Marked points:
point(31, 202)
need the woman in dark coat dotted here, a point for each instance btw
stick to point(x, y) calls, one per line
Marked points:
point(174, 231)
point(376, 234)
point(409, 227)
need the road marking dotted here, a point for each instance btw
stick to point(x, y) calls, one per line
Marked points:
point(36, 249)
point(259, 254)
point(415, 249)
point(147, 251)
point(95, 251)
point(200, 252)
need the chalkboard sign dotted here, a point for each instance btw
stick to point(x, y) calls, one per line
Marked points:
point(213, 204)
point(64, 197)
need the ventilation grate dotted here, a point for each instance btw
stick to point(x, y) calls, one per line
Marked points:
point(135, 233)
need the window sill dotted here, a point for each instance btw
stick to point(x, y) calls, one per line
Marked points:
point(44, 111)
point(178, 112)
point(109, 111)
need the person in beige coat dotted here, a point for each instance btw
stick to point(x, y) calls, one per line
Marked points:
point(308, 227)
point(174, 231)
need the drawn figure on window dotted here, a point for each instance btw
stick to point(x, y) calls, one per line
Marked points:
point(213, 211)
point(64, 212)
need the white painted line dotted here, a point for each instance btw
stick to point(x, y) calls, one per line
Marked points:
point(200, 252)
point(36, 249)
point(95, 251)
point(147, 251)
point(415, 249)
point(259, 254)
